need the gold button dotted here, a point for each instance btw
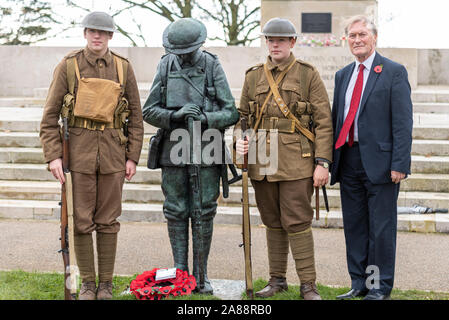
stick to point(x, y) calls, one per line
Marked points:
point(279, 99)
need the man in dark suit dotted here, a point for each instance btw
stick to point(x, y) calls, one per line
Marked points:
point(373, 119)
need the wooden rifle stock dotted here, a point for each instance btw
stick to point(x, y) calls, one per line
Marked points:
point(246, 224)
point(67, 236)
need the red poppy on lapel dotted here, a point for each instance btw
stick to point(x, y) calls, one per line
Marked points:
point(378, 69)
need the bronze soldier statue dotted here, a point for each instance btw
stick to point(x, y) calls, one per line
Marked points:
point(96, 91)
point(286, 96)
point(189, 91)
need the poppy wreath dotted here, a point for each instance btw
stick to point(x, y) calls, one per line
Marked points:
point(145, 286)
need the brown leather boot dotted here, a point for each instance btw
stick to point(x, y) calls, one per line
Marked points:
point(308, 291)
point(274, 286)
point(104, 291)
point(87, 291)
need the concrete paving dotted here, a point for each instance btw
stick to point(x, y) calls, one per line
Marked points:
point(31, 245)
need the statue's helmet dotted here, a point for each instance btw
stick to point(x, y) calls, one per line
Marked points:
point(99, 21)
point(184, 36)
point(278, 27)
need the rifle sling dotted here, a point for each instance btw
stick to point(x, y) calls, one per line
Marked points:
point(283, 106)
point(265, 103)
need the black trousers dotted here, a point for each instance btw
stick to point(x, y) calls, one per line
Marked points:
point(370, 224)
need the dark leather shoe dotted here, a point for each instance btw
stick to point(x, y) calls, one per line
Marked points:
point(353, 293)
point(274, 286)
point(376, 295)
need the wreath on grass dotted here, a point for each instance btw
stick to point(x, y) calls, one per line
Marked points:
point(145, 286)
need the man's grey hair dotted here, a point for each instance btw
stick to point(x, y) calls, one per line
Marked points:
point(361, 18)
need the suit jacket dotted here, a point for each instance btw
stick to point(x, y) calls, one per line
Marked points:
point(385, 120)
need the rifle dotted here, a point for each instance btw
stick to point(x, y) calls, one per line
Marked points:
point(67, 235)
point(246, 225)
point(194, 168)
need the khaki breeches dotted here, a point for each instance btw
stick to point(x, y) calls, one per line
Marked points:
point(285, 204)
point(97, 202)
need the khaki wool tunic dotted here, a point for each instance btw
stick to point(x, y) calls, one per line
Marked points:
point(291, 164)
point(92, 151)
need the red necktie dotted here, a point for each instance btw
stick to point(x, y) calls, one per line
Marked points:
point(348, 125)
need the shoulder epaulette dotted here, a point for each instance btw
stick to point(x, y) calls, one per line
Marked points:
point(305, 63)
point(257, 66)
point(73, 53)
point(116, 54)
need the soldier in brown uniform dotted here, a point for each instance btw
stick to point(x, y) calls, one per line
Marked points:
point(284, 197)
point(101, 156)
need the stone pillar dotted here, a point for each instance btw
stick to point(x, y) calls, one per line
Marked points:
point(340, 10)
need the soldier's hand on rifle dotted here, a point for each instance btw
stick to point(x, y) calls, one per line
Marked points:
point(188, 110)
point(130, 169)
point(320, 176)
point(241, 146)
point(55, 166)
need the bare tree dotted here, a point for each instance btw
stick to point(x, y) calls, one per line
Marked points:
point(236, 18)
point(26, 22)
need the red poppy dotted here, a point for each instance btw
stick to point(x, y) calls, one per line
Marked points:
point(378, 69)
point(145, 287)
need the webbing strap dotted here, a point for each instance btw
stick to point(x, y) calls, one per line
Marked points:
point(283, 106)
point(77, 70)
point(118, 63)
point(262, 109)
point(71, 74)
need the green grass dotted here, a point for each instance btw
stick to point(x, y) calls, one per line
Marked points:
point(20, 285)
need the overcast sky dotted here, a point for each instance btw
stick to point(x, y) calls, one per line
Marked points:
point(402, 24)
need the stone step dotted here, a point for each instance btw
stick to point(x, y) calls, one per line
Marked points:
point(152, 193)
point(419, 94)
point(431, 94)
point(31, 140)
point(49, 210)
point(37, 102)
point(420, 163)
point(37, 172)
point(431, 107)
point(20, 139)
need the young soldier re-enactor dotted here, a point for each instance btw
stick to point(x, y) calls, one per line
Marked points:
point(101, 156)
point(284, 197)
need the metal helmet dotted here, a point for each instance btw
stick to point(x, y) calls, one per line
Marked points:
point(99, 21)
point(184, 36)
point(278, 27)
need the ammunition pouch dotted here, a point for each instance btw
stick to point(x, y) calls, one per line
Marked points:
point(154, 149)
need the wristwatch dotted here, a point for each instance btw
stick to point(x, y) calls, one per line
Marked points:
point(324, 164)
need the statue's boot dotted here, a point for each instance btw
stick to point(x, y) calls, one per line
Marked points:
point(207, 230)
point(106, 250)
point(178, 232)
point(301, 244)
point(84, 251)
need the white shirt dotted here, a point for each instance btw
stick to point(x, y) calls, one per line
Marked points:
point(367, 64)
